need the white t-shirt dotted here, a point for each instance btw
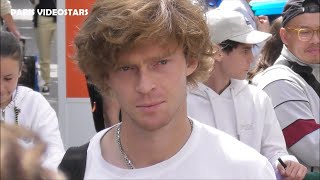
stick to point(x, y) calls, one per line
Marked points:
point(208, 154)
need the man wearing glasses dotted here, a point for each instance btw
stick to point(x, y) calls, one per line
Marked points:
point(293, 82)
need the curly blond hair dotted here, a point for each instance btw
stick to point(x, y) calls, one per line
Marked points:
point(118, 25)
point(19, 162)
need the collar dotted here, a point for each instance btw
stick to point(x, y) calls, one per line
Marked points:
point(287, 55)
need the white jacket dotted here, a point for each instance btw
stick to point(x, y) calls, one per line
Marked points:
point(244, 112)
point(37, 115)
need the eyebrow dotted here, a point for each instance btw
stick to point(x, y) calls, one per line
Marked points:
point(164, 54)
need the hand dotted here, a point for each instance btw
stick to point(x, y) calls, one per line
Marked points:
point(11, 26)
point(16, 33)
point(293, 171)
point(263, 23)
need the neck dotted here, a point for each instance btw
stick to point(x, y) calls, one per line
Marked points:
point(157, 145)
point(218, 81)
point(147, 147)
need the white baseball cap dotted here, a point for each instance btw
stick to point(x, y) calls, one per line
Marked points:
point(232, 25)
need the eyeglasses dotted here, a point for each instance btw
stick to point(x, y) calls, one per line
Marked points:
point(305, 34)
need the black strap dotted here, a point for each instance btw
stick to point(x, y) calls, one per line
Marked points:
point(97, 105)
point(96, 99)
point(305, 72)
point(73, 164)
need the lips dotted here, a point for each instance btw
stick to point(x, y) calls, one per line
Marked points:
point(315, 50)
point(147, 105)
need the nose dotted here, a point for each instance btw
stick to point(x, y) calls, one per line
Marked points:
point(145, 82)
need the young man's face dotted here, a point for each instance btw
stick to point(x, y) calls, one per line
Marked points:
point(236, 64)
point(151, 84)
point(10, 73)
point(307, 50)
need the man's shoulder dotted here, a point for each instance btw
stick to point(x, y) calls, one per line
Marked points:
point(234, 154)
point(95, 140)
point(257, 92)
point(277, 73)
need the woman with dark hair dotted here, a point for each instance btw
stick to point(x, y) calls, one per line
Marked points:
point(22, 106)
point(271, 50)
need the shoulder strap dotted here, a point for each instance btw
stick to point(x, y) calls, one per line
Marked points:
point(305, 72)
point(73, 163)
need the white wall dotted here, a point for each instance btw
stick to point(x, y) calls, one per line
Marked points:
point(74, 114)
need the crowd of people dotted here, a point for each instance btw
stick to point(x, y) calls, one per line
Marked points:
point(179, 93)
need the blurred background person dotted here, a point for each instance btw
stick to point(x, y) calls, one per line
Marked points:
point(293, 82)
point(270, 51)
point(7, 18)
point(18, 161)
point(227, 102)
point(45, 27)
point(260, 23)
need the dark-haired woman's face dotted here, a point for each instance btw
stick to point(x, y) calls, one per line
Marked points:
point(10, 73)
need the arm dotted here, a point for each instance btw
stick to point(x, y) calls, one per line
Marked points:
point(274, 146)
point(11, 25)
point(7, 17)
point(5, 7)
point(48, 128)
point(273, 142)
point(296, 120)
point(263, 23)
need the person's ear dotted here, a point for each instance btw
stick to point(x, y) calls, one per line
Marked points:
point(192, 65)
point(218, 55)
point(284, 35)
